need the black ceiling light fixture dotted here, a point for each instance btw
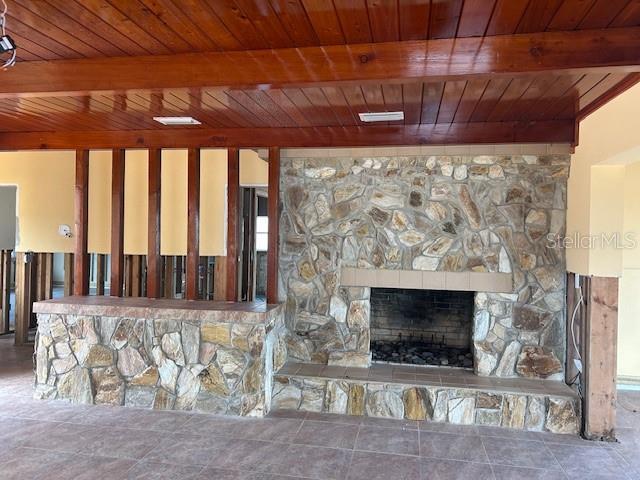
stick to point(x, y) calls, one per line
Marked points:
point(7, 45)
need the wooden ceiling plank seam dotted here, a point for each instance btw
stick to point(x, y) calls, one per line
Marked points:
point(324, 21)
point(125, 26)
point(238, 98)
point(582, 86)
point(31, 108)
point(392, 96)
point(200, 13)
point(432, 93)
point(490, 98)
point(220, 108)
point(538, 15)
point(467, 133)
point(629, 16)
point(342, 110)
point(353, 16)
point(630, 81)
point(355, 100)
point(288, 106)
point(270, 26)
point(469, 101)
point(179, 23)
point(18, 28)
point(262, 99)
point(38, 106)
point(68, 107)
point(414, 19)
point(570, 14)
point(15, 117)
point(384, 20)
point(603, 86)
point(191, 106)
point(235, 19)
point(318, 99)
point(530, 99)
point(100, 27)
point(475, 17)
point(296, 22)
point(147, 20)
point(225, 101)
point(564, 85)
point(444, 19)
point(212, 112)
point(510, 97)
point(602, 14)
point(302, 103)
point(507, 15)
point(110, 106)
point(412, 102)
point(450, 101)
point(46, 14)
point(35, 48)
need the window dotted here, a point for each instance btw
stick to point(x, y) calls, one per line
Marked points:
point(262, 233)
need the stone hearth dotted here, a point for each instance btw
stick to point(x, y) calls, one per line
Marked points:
point(450, 217)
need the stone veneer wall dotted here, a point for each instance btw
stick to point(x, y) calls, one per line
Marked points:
point(438, 213)
point(216, 367)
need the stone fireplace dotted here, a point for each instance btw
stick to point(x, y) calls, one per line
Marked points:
point(422, 327)
point(463, 223)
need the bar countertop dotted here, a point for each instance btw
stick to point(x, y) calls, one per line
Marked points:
point(174, 309)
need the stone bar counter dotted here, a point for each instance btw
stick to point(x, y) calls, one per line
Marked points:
point(216, 357)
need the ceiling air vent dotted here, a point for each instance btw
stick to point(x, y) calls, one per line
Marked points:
point(177, 120)
point(381, 116)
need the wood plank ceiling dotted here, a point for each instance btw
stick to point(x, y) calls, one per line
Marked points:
point(91, 29)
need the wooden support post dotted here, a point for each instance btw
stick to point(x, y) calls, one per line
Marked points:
point(5, 290)
point(44, 276)
point(68, 274)
point(154, 258)
point(117, 222)
point(23, 296)
point(210, 277)
point(193, 225)
point(136, 275)
point(128, 276)
point(178, 274)
point(233, 205)
point(100, 264)
point(81, 255)
point(600, 358)
point(220, 279)
point(169, 276)
point(273, 207)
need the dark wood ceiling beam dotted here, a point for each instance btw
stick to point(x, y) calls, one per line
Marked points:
point(611, 50)
point(351, 136)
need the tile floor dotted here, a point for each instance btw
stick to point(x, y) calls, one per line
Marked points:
point(54, 440)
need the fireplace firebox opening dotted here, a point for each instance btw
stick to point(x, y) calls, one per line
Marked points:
point(422, 327)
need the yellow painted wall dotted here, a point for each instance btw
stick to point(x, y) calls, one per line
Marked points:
point(45, 198)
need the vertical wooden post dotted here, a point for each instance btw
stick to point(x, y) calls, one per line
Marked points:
point(81, 200)
point(68, 274)
point(154, 259)
point(5, 289)
point(100, 264)
point(273, 209)
point(23, 297)
point(169, 277)
point(233, 204)
point(128, 276)
point(44, 276)
point(600, 359)
point(117, 222)
point(136, 275)
point(193, 225)
point(220, 279)
point(178, 274)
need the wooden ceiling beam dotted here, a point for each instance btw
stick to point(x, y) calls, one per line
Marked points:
point(615, 49)
point(555, 131)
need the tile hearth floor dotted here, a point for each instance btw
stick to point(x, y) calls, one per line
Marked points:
point(54, 440)
point(424, 375)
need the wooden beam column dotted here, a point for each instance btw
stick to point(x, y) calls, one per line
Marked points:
point(81, 215)
point(100, 264)
point(233, 206)
point(68, 274)
point(600, 358)
point(24, 276)
point(154, 259)
point(117, 222)
point(193, 225)
point(273, 213)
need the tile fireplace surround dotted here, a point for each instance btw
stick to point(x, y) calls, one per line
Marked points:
point(481, 223)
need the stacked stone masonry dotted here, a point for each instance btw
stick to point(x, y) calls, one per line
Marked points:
point(208, 366)
point(456, 405)
point(427, 213)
